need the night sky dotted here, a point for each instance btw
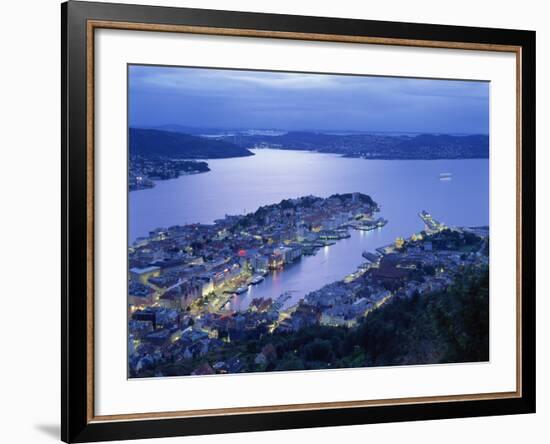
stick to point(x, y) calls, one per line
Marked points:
point(233, 99)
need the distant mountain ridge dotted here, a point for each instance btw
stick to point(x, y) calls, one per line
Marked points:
point(174, 141)
point(185, 129)
point(374, 146)
point(176, 145)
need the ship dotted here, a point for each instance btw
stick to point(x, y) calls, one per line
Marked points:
point(241, 290)
point(371, 225)
point(257, 279)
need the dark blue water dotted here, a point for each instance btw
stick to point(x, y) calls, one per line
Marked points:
point(402, 189)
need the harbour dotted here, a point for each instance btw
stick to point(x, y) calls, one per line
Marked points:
point(233, 186)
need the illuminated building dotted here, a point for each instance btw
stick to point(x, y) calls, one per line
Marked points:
point(143, 274)
point(276, 260)
point(399, 242)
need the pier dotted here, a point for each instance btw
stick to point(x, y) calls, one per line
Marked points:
point(432, 225)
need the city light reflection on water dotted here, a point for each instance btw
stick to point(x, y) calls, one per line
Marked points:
point(402, 188)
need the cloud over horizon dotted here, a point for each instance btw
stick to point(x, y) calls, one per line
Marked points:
point(224, 98)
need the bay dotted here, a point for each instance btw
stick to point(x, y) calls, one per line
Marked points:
point(402, 188)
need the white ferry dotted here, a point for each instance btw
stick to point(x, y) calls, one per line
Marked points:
point(257, 279)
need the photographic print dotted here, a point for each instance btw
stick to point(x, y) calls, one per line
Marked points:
point(286, 221)
point(274, 222)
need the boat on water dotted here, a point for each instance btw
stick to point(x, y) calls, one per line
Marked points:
point(371, 225)
point(331, 235)
point(257, 279)
point(309, 250)
point(365, 227)
point(241, 290)
point(445, 176)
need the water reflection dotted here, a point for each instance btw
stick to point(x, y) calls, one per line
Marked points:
point(234, 186)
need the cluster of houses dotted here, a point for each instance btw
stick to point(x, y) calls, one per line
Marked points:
point(424, 263)
point(177, 274)
point(144, 171)
point(181, 277)
point(184, 263)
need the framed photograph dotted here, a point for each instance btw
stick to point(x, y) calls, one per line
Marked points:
point(275, 221)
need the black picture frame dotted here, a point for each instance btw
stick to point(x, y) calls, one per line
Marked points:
point(76, 423)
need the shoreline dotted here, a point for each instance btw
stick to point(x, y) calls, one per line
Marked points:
point(426, 263)
point(141, 223)
point(245, 246)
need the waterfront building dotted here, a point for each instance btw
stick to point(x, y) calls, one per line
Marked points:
point(259, 262)
point(276, 260)
point(224, 273)
point(289, 253)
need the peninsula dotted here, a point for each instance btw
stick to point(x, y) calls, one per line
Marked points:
point(182, 280)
